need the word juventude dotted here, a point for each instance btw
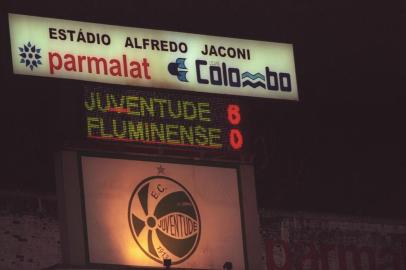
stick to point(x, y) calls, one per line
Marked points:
point(178, 225)
point(148, 106)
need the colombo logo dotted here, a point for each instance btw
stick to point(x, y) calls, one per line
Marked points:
point(164, 219)
point(30, 55)
point(251, 79)
point(178, 69)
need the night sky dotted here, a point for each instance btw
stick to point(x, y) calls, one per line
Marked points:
point(340, 149)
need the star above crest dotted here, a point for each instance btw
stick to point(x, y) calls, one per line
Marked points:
point(160, 169)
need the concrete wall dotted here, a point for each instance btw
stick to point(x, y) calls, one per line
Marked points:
point(327, 242)
point(30, 240)
point(29, 232)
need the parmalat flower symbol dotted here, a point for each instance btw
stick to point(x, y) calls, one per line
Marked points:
point(30, 55)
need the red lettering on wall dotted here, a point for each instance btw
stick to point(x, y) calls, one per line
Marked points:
point(281, 250)
point(391, 260)
point(310, 257)
point(344, 262)
point(325, 251)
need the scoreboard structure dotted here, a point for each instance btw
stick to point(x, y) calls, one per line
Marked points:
point(129, 209)
point(120, 207)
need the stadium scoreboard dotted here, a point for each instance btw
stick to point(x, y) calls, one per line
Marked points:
point(136, 116)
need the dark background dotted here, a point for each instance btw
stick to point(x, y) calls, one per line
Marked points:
point(340, 149)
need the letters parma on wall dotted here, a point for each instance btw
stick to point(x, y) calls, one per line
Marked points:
point(141, 212)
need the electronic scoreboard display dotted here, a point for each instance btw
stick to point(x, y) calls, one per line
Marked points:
point(136, 116)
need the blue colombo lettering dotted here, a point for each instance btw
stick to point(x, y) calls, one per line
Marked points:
point(223, 75)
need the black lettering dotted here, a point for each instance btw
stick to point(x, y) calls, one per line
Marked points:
point(71, 32)
point(199, 75)
point(183, 47)
point(222, 52)
point(172, 46)
point(164, 45)
point(52, 33)
point(62, 34)
point(105, 39)
point(241, 53)
point(98, 38)
point(286, 87)
point(81, 36)
point(271, 80)
point(215, 75)
point(136, 44)
point(234, 77)
point(90, 37)
point(145, 43)
point(224, 69)
point(213, 50)
point(231, 52)
point(204, 52)
point(154, 44)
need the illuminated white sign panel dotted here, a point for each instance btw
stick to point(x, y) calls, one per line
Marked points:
point(151, 58)
point(139, 213)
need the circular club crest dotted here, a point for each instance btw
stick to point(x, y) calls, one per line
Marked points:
point(164, 219)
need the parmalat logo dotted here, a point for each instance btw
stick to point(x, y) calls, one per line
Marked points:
point(59, 62)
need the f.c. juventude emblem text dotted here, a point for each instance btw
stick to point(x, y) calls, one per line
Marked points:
point(164, 219)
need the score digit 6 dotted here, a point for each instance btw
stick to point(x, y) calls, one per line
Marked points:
point(234, 118)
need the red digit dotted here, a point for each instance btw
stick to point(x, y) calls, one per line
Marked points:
point(233, 114)
point(236, 139)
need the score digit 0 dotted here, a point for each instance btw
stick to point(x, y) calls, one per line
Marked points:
point(234, 118)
